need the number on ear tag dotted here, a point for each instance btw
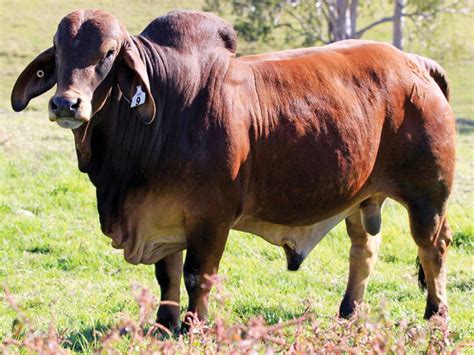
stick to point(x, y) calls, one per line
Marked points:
point(139, 97)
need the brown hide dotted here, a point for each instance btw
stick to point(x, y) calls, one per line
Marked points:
point(284, 145)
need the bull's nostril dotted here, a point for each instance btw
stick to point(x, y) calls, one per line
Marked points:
point(75, 106)
point(64, 107)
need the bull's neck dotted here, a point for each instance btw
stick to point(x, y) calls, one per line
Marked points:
point(125, 154)
point(121, 146)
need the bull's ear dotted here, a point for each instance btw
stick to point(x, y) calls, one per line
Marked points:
point(38, 77)
point(135, 85)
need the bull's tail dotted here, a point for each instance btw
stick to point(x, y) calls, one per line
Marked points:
point(421, 275)
point(435, 70)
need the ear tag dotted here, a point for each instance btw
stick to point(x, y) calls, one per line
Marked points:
point(40, 73)
point(139, 97)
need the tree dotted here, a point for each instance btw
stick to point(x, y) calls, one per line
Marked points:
point(397, 38)
point(311, 22)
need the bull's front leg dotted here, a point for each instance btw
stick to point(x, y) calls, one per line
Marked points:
point(168, 273)
point(205, 246)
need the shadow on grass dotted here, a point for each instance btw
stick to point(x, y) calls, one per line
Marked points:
point(464, 240)
point(87, 339)
point(466, 286)
point(464, 126)
point(272, 315)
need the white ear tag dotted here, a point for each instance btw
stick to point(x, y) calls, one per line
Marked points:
point(139, 97)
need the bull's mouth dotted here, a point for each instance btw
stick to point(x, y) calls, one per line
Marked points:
point(69, 123)
point(67, 112)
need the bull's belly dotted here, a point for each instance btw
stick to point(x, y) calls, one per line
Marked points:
point(155, 244)
point(158, 244)
point(301, 239)
point(154, 230)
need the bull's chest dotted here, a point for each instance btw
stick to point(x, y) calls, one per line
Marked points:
point(149, 228)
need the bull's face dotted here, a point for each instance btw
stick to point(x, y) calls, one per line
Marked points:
point(92, 52)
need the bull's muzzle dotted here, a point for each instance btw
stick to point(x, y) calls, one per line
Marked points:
point(293, 258)
point(64, 107)
point(69, 111)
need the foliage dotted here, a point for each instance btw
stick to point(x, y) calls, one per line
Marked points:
point(313, 22)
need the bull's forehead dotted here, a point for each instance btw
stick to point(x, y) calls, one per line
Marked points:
point(88, 32)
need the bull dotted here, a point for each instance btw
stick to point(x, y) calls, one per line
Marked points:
point(184, 141)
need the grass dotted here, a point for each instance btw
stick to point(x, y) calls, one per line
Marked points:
point(461, 79)
point(362, 333)
point(57, 263)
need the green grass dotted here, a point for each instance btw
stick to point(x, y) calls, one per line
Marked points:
point(461, 80)
point(56, 262)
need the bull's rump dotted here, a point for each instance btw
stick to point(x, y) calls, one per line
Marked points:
point(328, 130)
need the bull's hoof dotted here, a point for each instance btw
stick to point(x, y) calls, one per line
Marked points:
point(346, 309)
point(433, 309)
point(168, 318)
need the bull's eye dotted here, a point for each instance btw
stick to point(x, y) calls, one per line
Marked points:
point(107, 56)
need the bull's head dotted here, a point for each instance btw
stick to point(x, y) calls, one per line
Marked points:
point(92, 51)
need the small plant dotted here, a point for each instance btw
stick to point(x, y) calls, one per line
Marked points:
point(374, 333)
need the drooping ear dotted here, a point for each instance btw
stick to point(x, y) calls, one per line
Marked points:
point(133, 80)
point(38, 77)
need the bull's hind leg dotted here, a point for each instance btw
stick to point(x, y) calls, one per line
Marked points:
point(168, 273)
point(432, 234)
point(363, 228)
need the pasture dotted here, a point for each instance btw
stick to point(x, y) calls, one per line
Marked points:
point(57, 264)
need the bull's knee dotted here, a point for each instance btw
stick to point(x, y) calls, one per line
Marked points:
point(445, 237)
point(192, 280)
point(365, 252)
point(433, 239)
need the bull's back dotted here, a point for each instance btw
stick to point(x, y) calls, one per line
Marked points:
point(318, 147)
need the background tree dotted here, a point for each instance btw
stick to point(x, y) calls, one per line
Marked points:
point(312, 22)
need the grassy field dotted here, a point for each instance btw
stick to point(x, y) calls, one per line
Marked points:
point(56, 262)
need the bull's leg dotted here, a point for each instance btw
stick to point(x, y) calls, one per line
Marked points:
point(432, 234)
point(363, 254)
point(168, 273)
point(205, 245)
